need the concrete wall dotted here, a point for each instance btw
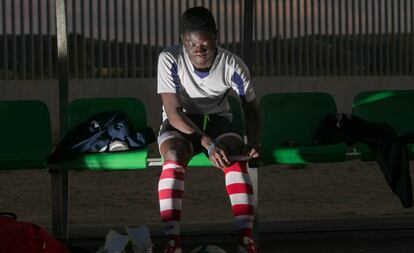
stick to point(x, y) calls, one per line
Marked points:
point(342, 88)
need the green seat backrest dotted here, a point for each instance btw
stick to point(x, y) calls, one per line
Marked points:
point(81, 109)
point(25, 126)
point(293, 116)
point(395, 107)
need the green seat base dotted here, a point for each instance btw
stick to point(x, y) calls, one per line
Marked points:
point(304, 154)
point(126, 160)
point(200, 160)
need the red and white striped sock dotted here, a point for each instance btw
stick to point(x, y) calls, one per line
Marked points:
point(240, 190)
point(170, 194)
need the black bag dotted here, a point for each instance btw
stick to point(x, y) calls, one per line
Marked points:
point(390, 150)
point(328, 131)
point(98, 132)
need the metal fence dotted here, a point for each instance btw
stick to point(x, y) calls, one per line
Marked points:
point(27, 39)
point(334, 37)
point(122, 38)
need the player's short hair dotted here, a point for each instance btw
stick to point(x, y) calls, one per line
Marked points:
point(198, 19)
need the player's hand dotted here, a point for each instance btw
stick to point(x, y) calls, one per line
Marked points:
point(218, 156)
point(253, 150)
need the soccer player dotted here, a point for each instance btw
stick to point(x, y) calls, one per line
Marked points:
point(194, 79)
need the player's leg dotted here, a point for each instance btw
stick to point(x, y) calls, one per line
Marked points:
point(176, 151)
point(240, 191)
point(238, 183)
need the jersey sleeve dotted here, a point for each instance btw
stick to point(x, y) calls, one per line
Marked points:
point(167, 74)
point(241, 81)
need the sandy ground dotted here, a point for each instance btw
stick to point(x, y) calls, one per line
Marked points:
point(319, 191)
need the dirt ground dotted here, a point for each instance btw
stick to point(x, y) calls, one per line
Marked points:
point(319, 191)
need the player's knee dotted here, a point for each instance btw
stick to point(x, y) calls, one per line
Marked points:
point(232, 144)
point(173, 154)
point(177, 153)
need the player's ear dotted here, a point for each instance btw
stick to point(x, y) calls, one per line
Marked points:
point(181, 38)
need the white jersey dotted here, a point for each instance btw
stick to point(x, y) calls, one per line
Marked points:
point(203, 92)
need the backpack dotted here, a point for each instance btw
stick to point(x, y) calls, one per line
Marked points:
point(18, 237)
point(97, 132)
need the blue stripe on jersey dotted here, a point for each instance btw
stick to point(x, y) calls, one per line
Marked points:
point(174, 75)
point(236, 78)
point(201, 74)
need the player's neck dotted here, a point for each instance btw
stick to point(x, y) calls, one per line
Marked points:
point(202, 69)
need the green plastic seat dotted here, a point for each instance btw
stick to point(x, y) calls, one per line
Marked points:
point(81, 109)
point(394, 107)
point(288, 125)
point(201, 160)
point(26, 134)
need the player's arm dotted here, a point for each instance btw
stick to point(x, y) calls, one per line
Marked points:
point(252, 117)
point(242, 84)
point(180, 121)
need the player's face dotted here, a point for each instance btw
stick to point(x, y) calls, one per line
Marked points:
point(200, 47)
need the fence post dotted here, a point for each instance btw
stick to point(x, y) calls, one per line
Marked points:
point(248, 57)
point(248, 32)
point(62, 54)
point(60, 176)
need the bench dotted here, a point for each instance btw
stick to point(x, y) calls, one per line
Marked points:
point(295, 114)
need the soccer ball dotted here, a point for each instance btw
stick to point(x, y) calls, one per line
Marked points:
point(208, 249)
